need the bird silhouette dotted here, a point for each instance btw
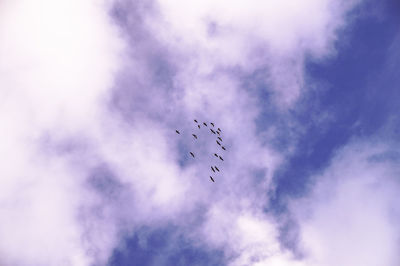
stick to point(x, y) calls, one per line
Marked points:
point(219, 138)
point(195, 120)
point(212, 179)
point(177, 131)
point(212, 123)
point(204, 123)
point(191, 153)
point(216, 168)
point(223, 148)
point(212, 168)
point(198, 126)
point(216, 155)
point(194, 135)
point(218, 143)
point(221, 158)
point(212, 130)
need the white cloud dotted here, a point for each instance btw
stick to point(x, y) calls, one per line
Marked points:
point(351, 216)
point(58, 60)
point(277, 35)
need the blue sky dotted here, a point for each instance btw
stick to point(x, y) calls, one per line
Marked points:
point(359, 93)
point(306, 96)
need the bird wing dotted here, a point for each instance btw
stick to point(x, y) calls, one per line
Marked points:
point(212, 179)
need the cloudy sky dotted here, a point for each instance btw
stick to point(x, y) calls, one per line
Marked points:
point(307, 97)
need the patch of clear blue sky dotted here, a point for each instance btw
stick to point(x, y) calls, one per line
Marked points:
point(163, 246)
point(361, 95)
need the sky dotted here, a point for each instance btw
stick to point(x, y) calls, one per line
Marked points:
point(306, 96)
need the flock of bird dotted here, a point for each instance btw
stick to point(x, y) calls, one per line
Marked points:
point(216, 132)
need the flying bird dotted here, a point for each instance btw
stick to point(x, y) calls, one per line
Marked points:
point(212, 179)
point(191, 153)
point(216, 155)
point(195, 120)
point(218, 143)
point(221, 158)
point(194, 135)
point(223, 148)
point(219, 138)
point(212, 123)
point(177, 131)
point(216, 168)
point(204, 123)
point(212, 130)
point(198, 126)
point(212, 168)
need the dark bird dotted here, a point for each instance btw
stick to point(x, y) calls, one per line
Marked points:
point(194, 136)
point(177, 131)
point(223, 148)
point(204, 123)
point(219, 138)
point(212, 130)
point(191, 153)
point(212, 179)
point(198, 126)
point(219, 129)
point(218, 143)
point(216, 155)
point(221, 158)
point(212, 123)
point(212, 168)
point(195, 120)
point(216, 168)
point(218, 132)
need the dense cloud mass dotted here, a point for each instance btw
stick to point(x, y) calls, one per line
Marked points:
point(91, 93)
